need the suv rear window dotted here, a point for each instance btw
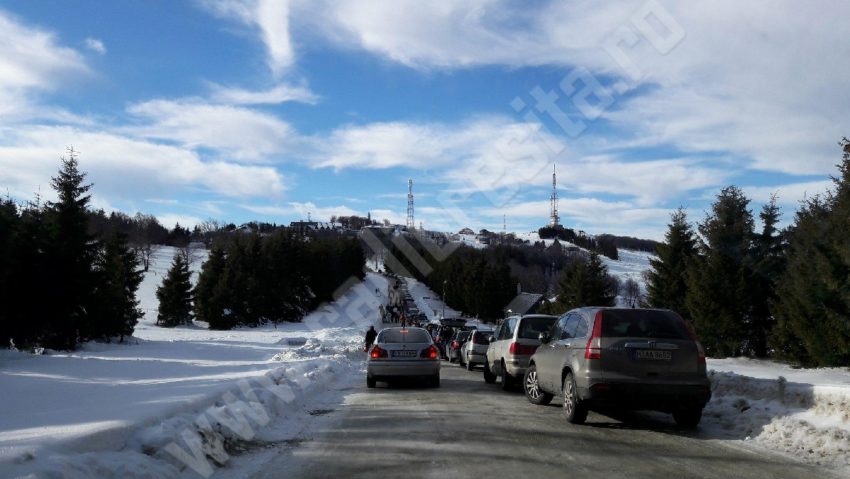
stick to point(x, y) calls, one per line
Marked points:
point(404, 336)
point(636, 323)
point(530, 328)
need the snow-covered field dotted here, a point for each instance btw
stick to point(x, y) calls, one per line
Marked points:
point(130, 410)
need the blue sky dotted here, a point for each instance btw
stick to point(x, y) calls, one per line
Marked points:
point(259, 109)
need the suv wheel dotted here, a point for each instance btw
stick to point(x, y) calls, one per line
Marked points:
point(469, 365)
point(531, 386)
point(489, 377)
point(687, 418)
point(370, 381)
point(435, 381)
point(507, 379)
point(575, 411)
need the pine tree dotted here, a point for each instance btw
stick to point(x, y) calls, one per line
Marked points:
point(585, 283)
point(9, 224)
point(718, 295)
point(175, 295)
point(813, 300)
point(116, 310)
point(666, 282)
point(767, 262)
point(210, 295)
point(71, 251)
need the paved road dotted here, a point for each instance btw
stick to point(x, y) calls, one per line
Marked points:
point(471, 429)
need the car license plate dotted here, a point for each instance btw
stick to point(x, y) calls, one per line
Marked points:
point(404, 354)
point(653, 355)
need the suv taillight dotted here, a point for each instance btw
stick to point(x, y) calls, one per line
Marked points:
point(429, 353)
point(455, 345)
point(593, 350)
point(377, 352)
point(522, 349)
point(693, 335)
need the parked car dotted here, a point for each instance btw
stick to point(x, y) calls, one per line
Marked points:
point(474, 351)
point(458, 339)
point(403, 353)
point(629, 358)
point(512, 346)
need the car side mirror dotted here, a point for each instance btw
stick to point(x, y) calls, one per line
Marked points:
point(544, 337)
point(491, 338)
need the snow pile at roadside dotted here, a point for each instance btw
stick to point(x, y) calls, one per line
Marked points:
point(802, 412)
point(135, 409)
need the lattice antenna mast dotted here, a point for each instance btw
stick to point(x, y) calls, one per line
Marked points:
point(411, 225)
point(554, 219)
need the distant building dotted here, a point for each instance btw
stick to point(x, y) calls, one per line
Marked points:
point(466, 231)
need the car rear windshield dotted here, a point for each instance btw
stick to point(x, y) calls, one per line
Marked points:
point(530, 328)
point(635, 323)
point(405, 336)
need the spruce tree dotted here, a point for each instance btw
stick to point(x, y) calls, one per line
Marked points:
point(767, 262)
point(210, 295)
point(666, 281)
point(585, 283)
point(718, 296)
point(116, 310)
point(175, 295)
point(9, 224)
point(813, 300)
point(71, 251)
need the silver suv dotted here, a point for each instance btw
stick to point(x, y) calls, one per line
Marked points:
point(631, 358)
point(512, 346)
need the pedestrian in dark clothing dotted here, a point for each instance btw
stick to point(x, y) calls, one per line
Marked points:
point(370, 337)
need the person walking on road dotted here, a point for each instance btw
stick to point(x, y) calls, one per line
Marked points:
point(370, 337)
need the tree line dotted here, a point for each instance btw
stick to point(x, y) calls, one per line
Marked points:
point(59, 284)
point(783, 293)
point(69, 274)
point(252, 279)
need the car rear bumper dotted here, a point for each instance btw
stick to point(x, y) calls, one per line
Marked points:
point(658, 397)
point(384, 369)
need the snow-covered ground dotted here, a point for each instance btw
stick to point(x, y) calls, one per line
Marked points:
point(131, 410)
point(428, 301)
point(804, 413)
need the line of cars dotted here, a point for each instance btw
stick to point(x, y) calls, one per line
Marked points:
point(596, 358)
point(593, 358)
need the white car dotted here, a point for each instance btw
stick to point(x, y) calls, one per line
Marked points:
point(474, 350)
point(403, 353)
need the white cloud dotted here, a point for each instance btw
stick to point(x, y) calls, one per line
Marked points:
point(301, 210)
point(240, 133)
point(124, 168)
point(280, 93)
point(95, 45)
point(765, 81)
point(494, 153)
point(271, 18)
point(788, 195)
point(31, 61)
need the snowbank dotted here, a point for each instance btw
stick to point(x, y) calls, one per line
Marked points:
point(804, 413)
point(174, 400)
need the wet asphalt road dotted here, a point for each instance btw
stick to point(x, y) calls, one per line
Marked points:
point(468, 428)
